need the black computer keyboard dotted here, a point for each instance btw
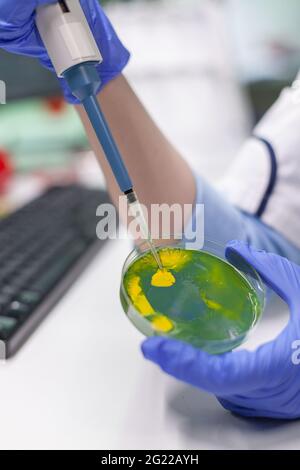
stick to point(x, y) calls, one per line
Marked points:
point(44, 246)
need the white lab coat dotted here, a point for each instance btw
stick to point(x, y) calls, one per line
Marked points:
point(264, 180)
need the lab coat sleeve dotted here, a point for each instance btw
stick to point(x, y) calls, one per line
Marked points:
point(224, 222)
point(264, 180)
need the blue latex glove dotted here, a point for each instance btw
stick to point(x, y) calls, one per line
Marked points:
point(264, 383)
point(18, 34)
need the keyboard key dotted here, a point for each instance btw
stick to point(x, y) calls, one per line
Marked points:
point(7, 325)
point(52, 275)
point(2, 309)
point(9, 290)
point(4, 299)
point(39, 245)
point(29, 297)
point(19, 281)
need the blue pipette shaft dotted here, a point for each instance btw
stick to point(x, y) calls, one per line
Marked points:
point(63, 27)
point(84, 81)
point(108, 144)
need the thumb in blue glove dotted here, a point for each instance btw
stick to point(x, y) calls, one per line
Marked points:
point(19, 35)
point(263, 383)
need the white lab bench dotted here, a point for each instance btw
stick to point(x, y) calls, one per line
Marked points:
point(80, 382)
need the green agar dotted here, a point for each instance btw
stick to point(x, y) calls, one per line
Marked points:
point(198, 298)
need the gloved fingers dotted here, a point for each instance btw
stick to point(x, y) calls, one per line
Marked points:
point(92, 10)
point(18, 32)
point(281, 401)
point(88, 7)
point(18, 12)
point(259, 384)
point(33, 48)
point(278, 273)
point(99, 22)
point(232, 373)
point(107, 38)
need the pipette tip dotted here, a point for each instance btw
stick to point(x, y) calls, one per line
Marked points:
point(138, 213)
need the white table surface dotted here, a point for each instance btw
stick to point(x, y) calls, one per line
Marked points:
point(80, 382)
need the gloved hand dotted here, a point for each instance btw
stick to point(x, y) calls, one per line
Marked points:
point(264, 383)
point(19, 34)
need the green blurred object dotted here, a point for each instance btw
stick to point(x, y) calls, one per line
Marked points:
point(38, 138)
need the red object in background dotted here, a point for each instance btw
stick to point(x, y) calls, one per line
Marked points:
point(56, 104)
point(6, 170)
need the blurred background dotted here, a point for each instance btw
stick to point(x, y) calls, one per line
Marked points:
point(206, 70)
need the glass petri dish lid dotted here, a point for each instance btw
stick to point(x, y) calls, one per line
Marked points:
point(206, 300)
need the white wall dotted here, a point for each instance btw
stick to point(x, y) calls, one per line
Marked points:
point(182, 69)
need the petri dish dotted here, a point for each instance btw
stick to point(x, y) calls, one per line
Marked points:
point(201, 298)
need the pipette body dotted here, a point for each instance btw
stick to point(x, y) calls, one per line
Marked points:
point(74, 53)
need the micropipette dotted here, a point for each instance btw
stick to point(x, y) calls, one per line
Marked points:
point(74, 53)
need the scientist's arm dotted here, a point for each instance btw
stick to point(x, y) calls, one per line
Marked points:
point(159, 173)
point(263, 383)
